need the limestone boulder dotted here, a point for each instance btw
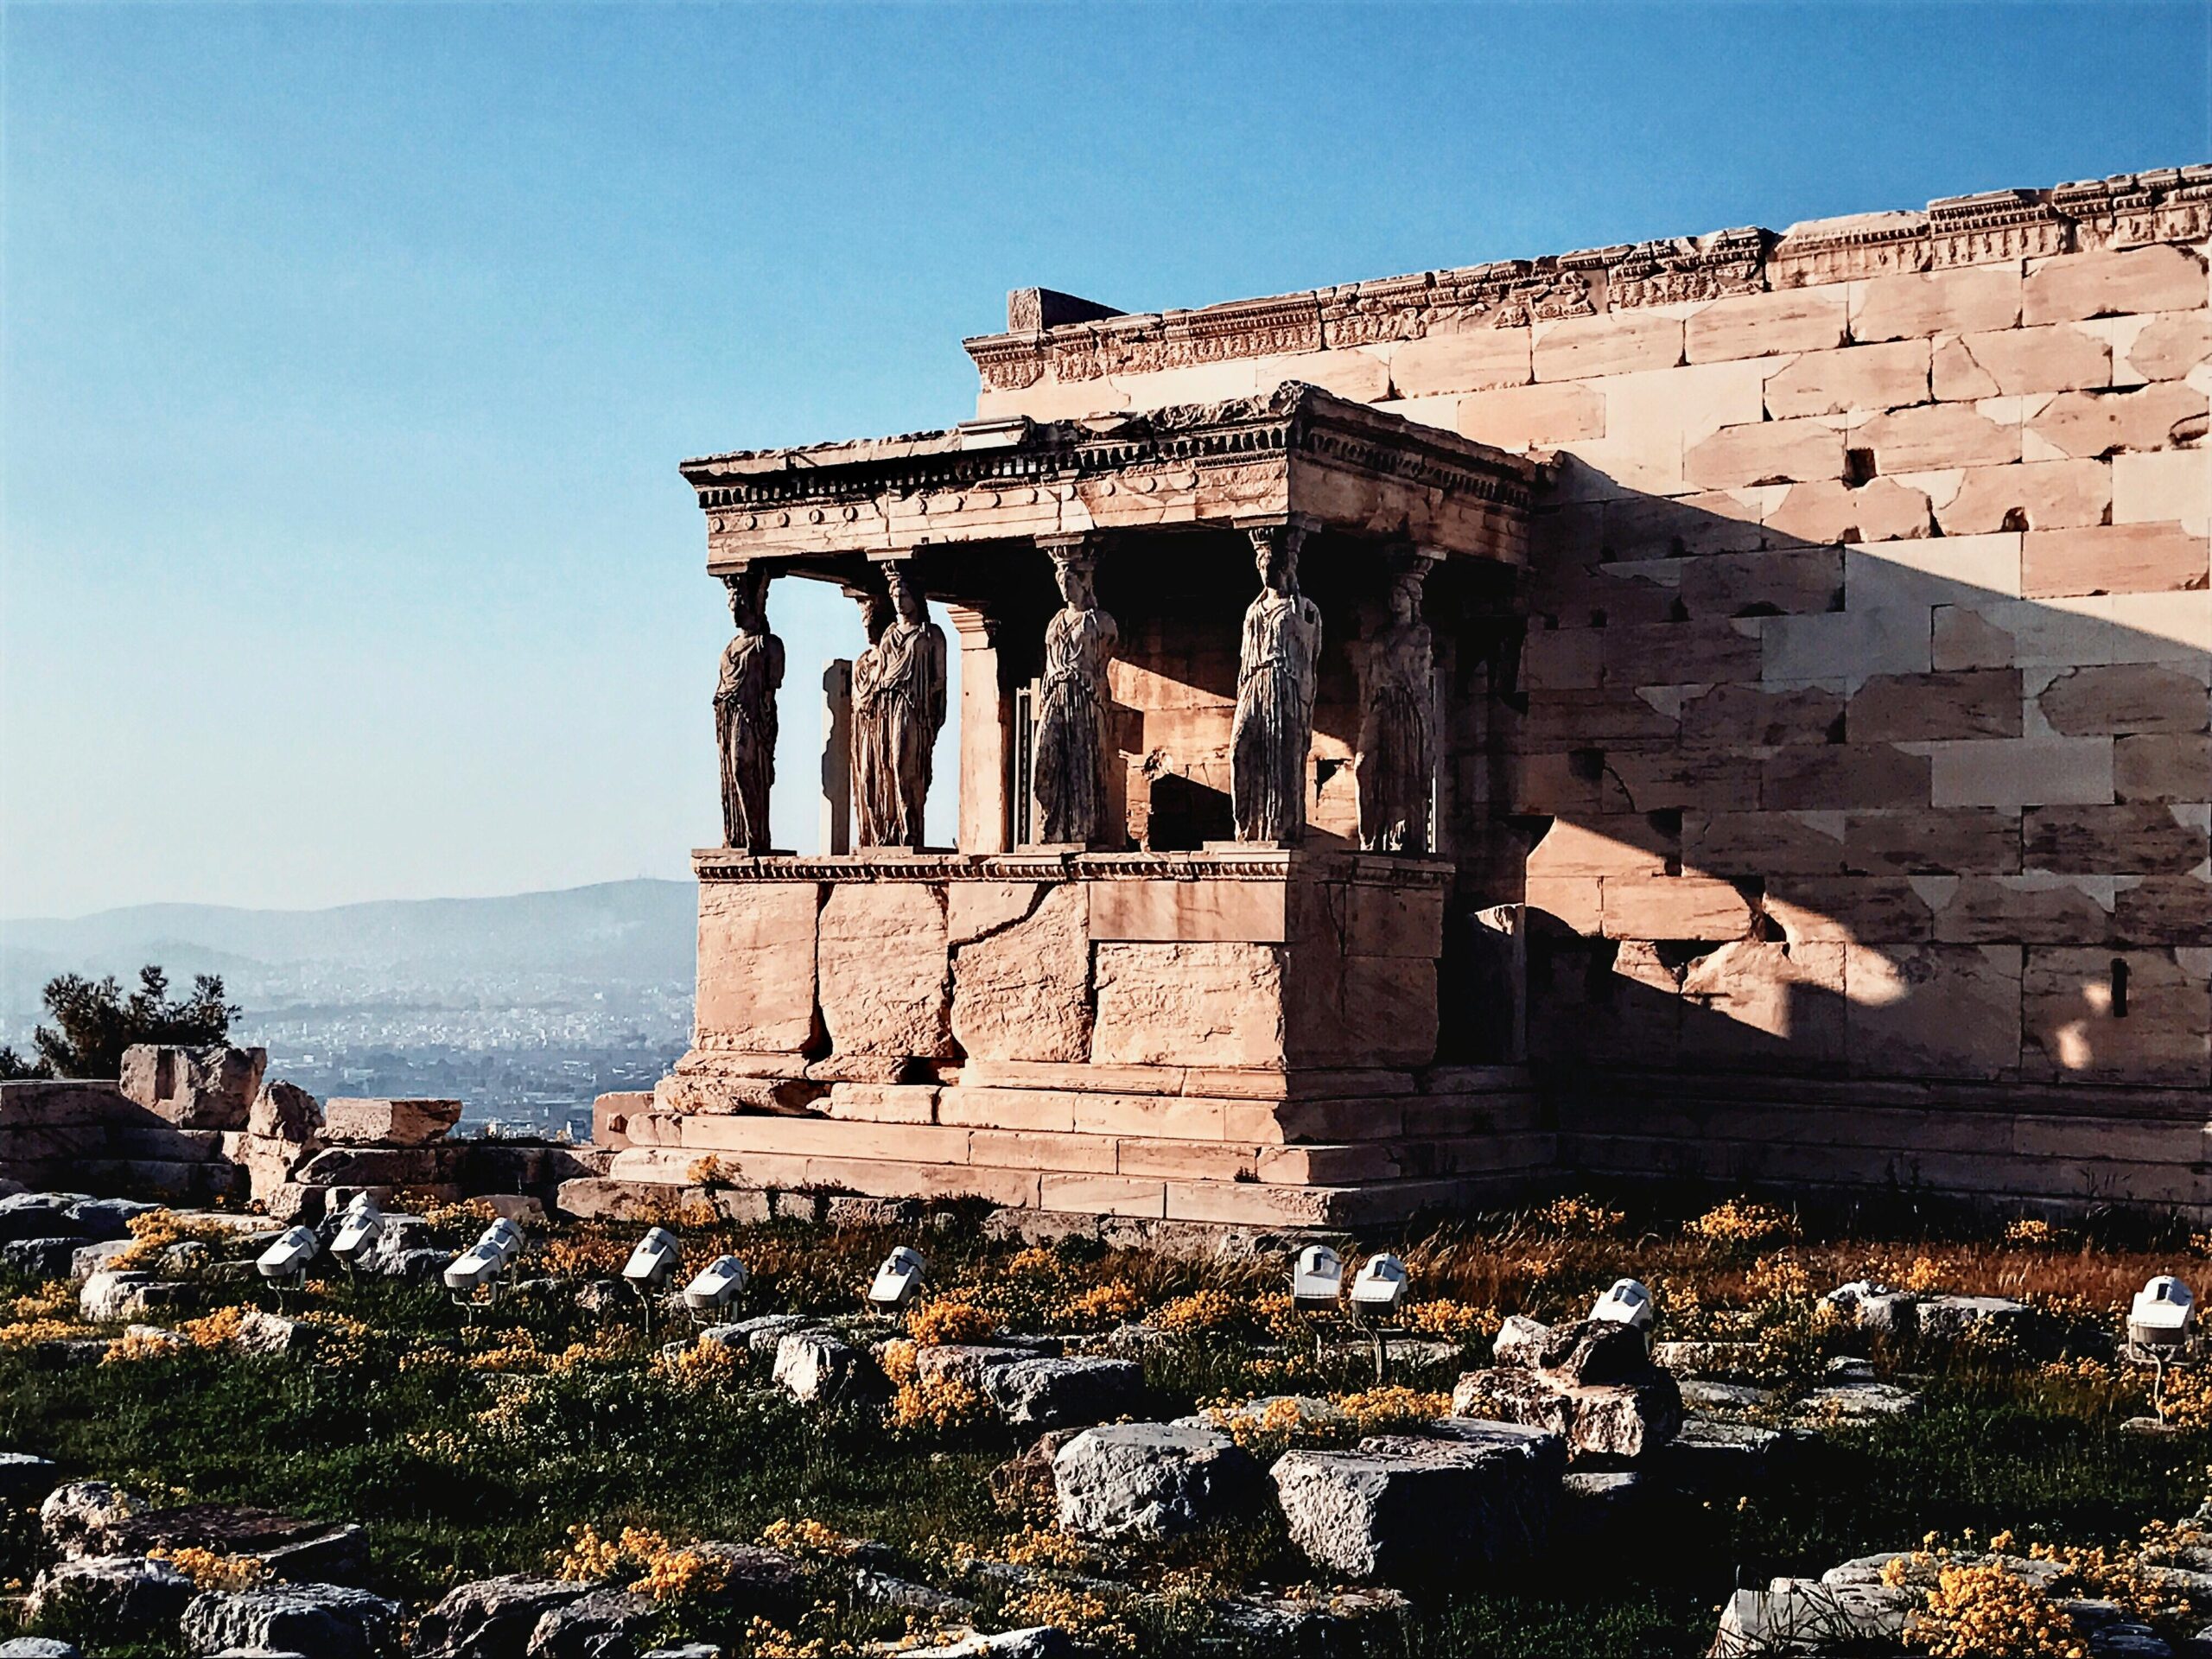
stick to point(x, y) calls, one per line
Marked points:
point(1698, 1394)
point(1711, 1459)
point(1149, 1480)
point(1036, 1394)
point(380, 1168)
point(605, 1624)
point(1855, 1402)
point(112, 1296)
point(331, 1621)
point(40, 1258)
point(816, 1368)
point(40, 1215)
point(763, 1334)
point(756, 1580)
point(1032, 1642)
point(1947, 1318)
point(89, 1259)
point(1610, 1420)
point(351, 1121)
point(1589, 1350)
point(291, 1547)
point(971, 1363)
point(107, 1218)
point(491, 1619)
point(73, 1513)
point(284, 1111)
point(115, 1595)
point(38, 1647)
point(1404, 1509)
point(209, 1088)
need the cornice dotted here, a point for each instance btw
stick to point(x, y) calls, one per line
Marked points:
point(1274, 864)
point(988, 462)
point(2128, 210)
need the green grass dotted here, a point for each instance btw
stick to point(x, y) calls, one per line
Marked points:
point(460, 1472)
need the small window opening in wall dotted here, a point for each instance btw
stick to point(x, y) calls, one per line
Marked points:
point(2118, 988)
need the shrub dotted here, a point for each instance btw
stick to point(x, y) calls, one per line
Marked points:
point(1741, 1222)
point(934, 1324)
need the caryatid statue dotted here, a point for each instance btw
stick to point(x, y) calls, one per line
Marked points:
point(745, 712)
point(1073, 742)
point(899, 706)
point(1397, 734)
point(1277, 672)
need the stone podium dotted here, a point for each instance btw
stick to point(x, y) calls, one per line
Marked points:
point(1161, 1022)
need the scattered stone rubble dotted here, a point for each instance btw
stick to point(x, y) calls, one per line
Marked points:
point(190, 1125)
point(1592, 1383)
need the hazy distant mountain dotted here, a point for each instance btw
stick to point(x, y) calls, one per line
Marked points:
point(614, 933)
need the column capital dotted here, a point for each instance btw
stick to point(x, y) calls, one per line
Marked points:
point(978, 630)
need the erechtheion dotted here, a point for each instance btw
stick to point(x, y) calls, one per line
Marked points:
point(1733, 707)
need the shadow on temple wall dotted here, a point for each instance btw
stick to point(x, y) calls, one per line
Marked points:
point(1831, 808)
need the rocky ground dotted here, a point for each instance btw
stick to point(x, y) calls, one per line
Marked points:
point(1831, 1445)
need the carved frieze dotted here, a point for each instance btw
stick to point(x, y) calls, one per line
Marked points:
point(2172, 204)
point(1686, 268)
point(1845, 249)
point(1993, 226)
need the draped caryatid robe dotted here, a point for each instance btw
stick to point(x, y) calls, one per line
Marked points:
point(899, 707)
point(1273, 728)
point(1072, 738)
point(745, 730)
point(1397, 745)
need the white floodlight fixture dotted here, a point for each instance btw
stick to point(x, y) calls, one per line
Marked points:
point(504, 1240)
point(287, 1258)
point(475, 1271)
point(1380, 1285)
point(1317, 1280)
point(2162, 1333)
point(898, 1279)
point(716, 1287)
point(1627, 1303)
point(2163, 1316)
point(653, 1263)
point(358, 1229)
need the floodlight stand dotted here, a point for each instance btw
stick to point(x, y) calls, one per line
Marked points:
point(1375, 1335)
point(645, 1305)
point(2160, 1358)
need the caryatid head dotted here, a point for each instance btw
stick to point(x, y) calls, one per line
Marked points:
point(1076, 573)
point(906, 595)
point(1406, 587)
point(749, 599)
point(1274, 555)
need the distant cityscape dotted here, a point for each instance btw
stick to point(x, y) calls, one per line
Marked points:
point(520, 1068)
point(523, 1009)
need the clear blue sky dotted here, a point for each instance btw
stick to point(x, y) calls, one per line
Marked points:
point(348, 352)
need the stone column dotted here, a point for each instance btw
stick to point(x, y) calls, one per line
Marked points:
point(836, 836)
point(986, 736)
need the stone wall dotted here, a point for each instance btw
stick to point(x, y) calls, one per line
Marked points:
point(1860, 725)
point(1239, 1038)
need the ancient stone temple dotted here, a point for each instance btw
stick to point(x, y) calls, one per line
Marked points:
point(1733, 707)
